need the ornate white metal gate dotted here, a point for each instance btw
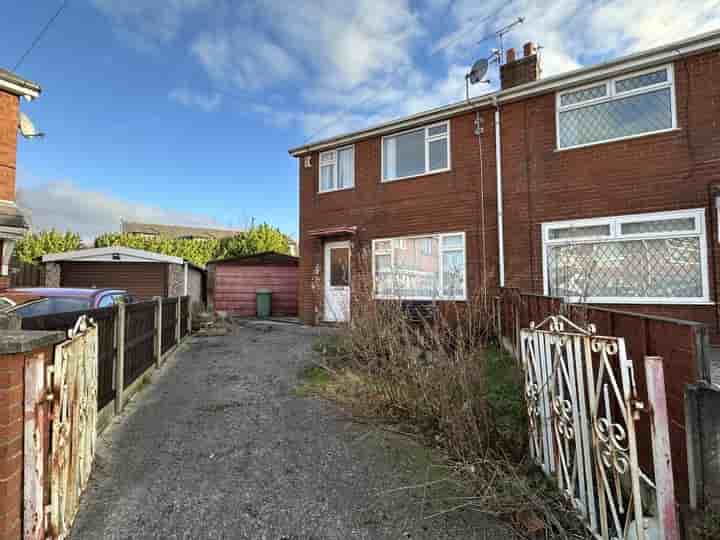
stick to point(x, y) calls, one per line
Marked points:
point(583, 407)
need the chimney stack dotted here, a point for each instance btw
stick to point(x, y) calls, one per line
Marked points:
point(516, 71)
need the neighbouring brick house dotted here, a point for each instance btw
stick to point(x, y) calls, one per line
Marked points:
point(607, 179)
point(13, 224)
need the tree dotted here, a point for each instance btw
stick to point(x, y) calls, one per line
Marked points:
point(198, 251)
point(34, 245)
point(256, 239)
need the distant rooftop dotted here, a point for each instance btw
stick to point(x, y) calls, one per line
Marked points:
point(177, 231)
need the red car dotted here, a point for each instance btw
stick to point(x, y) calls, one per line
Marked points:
point(35, 301)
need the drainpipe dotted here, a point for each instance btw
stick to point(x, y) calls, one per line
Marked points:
point(498, 168)
point(185, 288)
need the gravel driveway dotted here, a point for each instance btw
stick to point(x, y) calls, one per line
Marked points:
point(220, 446)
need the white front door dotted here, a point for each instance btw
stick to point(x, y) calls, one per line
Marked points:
point(337, 281)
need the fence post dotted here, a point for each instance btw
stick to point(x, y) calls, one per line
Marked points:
point(120, 363)
point(158, 323)
point(158, 331)
point(189, 316)
point(662, 458)
point(498, 322)
point(178, 319)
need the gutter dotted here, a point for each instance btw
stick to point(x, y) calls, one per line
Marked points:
point(498, 169)
point(18, 86)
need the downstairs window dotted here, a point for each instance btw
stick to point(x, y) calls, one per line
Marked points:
point(428, 267)
point(646, 258)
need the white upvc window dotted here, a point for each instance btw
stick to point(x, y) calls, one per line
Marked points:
point(633, 259)
point(423, 267)
point(416, 152)
point(627, 106)
point(337, 169)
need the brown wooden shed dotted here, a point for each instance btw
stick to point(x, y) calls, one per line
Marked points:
point(232, 283)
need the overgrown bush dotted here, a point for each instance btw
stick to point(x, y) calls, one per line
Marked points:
point(35, 245)
point(444, 377)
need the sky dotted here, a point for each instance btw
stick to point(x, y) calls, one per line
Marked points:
point(182, 111)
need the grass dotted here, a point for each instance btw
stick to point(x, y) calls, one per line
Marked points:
point(465, 421)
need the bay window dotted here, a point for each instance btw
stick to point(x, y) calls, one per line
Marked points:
point(626, 106)
point(428, 267)
point(641, 258)
point(416, 152)
point(337, 169)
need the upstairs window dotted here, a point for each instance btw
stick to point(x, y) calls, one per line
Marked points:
point(429, 267)
point(417, 152)
point(618, 108)
point(337, 169)
point(646, 258)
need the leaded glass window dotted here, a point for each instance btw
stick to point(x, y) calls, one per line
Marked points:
point(618, 108)
point(648, 258)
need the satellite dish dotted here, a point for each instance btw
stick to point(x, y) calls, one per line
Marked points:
point(478, 71)
point(27, 129)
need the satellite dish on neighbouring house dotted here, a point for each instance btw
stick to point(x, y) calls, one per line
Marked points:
point(27, 128)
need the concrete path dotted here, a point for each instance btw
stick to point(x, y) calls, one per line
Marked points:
point(220, 446)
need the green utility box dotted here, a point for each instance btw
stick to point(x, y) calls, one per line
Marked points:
point(264, 301)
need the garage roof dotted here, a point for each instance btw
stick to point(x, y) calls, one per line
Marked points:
point(113, 253)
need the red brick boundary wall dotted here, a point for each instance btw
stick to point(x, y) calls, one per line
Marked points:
point(17, 350)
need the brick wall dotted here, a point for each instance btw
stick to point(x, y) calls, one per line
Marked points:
point(669, 171)
point(436, 203)
point(9, 107)
point(11, 445)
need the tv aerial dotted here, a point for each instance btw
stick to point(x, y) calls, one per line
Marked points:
point(480, 68)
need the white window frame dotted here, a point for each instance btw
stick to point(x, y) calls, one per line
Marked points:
point(428, 139)
point(441, 250)
point(335, 163)
point(612, 95)
point(616, 235)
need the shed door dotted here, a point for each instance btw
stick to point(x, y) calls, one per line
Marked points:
point(142, 280)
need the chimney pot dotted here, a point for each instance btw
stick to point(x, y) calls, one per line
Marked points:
point(529, 49)
point(510, 55)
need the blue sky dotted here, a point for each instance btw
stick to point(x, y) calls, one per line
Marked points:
point(182, 111)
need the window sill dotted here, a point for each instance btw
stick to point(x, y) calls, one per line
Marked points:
point(335, 190)
point(391, 180)
point(619, 139)
point(419, 298)
point(642, 301)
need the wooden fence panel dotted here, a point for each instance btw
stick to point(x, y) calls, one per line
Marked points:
point(23, 274)
point(681, 344)
point(169, 321)
point(105, 319)
point(139, 339)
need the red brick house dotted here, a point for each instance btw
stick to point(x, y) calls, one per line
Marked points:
point(12, 223)
point(597, 184)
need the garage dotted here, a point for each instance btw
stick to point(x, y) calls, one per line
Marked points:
point(232, 283)
point(142, 273)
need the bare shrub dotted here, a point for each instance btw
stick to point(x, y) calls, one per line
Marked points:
point(435, 372)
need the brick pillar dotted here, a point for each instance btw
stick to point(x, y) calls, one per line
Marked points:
point(11, 445)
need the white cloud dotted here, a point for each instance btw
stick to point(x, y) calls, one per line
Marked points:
point(65, 206)
point(204, 102)
point(351, 64)
point(146, 23)
point(246, 58)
